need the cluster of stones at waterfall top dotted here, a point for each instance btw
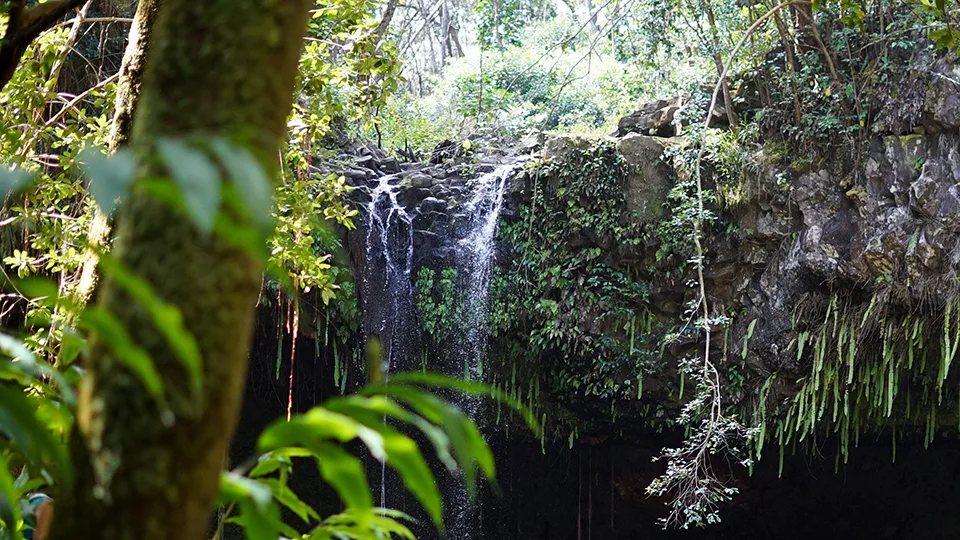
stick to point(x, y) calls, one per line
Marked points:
point(430, 191)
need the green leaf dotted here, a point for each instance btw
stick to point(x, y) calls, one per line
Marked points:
point(41, 290)
point(345, 473)
point(125, 350)
point(468, 444)
point(402, 453)
point(109, 178)
point(235, 487)
point(257, 525)
point(276, 460)
point(372, 524)
point(259, 515)
point(285, 496)
point(404, 456)
point(319, 424)
point(371, 410)
point(467, 387)
point(13, 180)
point(23, 361)
point(9, 501)
point(198, 179)
point(249, 177)
point(21, 422)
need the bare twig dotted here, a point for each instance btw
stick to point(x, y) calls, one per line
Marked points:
point(71, 39)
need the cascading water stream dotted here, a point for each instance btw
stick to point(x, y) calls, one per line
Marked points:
point(475, 258)
point(475, 261)
point(387, 287)
point(388, 298)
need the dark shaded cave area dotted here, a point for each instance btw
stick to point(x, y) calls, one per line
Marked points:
point(595, 490)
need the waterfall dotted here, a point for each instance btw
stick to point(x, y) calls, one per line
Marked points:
point(389, 309)
point(387, 286)
point(475, 257)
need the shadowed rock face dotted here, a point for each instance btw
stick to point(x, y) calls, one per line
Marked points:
point(876, 226)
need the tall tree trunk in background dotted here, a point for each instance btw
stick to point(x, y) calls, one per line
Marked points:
point(457, 48)
point(128, 93)
point(787, 45)
point(444, 33)
point(803, 22)
point(387, 18)
point(496, 25)
point(571, 5)
point(428, 28)
point(718, 62)
point(593, 17)
point(216, 67)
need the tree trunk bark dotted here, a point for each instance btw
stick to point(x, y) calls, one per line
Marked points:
point(387, 18)
point(718, 61)
point(128, 93)
point(457, 48)
point(593, 17)
point(496, 25)
point(224, 67)
point(787, 45)
point(802, 20)
point(444, 33)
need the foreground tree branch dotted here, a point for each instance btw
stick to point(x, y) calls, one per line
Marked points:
point(25, 24)
point(219, 67)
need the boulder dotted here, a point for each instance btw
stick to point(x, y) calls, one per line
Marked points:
point(531, 141)
point(941, 106)
point(560, 147)
point(419, 180)
point(650, 181)
point(654, 118)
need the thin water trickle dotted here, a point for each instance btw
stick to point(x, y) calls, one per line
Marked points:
point(389, 259)
point(387, 287)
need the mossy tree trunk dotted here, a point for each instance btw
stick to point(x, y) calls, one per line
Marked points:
point(224, 67)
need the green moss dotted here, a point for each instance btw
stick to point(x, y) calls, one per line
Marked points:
point(570, 318)
point(775, 152)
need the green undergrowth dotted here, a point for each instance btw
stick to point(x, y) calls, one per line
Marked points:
point(570, 315)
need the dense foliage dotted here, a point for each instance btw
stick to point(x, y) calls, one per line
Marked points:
point(810, 80)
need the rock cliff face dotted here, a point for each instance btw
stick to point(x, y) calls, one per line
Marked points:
point(836, 272)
